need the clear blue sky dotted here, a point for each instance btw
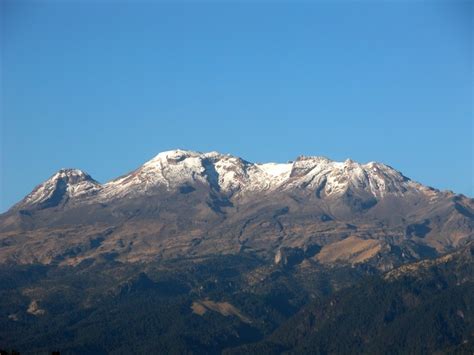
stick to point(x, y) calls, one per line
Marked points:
point(104, 86)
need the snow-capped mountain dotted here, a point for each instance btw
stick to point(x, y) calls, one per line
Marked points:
point(184, 203)
point(232, 176)
point(64, 185)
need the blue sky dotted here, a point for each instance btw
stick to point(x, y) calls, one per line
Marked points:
point(105, 86)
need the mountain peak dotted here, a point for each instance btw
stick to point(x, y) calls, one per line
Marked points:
point(175, 155)
point(72, 175)
point(61, 186)
point(176, 169)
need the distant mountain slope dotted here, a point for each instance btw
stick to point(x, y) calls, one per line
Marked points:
point(184, 204)
point(421, 308)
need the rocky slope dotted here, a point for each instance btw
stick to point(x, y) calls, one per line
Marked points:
point(184, 204)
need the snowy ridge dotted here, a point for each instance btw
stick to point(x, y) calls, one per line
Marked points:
point(173, 169)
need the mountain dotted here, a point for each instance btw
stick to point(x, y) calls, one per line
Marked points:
point(209, 253)
point(184, 204)
point(421, 308)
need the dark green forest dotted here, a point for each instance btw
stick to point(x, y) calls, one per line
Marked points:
point(107, 307)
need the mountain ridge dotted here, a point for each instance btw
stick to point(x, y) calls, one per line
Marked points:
point(225, 172)
point(185, 204)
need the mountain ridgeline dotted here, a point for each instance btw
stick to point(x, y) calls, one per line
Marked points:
point(209, 253)
point(185, 204)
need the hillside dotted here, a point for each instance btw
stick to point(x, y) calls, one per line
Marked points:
point(420, 308)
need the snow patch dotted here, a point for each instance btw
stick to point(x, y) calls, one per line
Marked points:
point(275, 169)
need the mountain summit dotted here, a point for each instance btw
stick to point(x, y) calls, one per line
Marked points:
point(58, 189)
point(176, 170)
point(189, 204)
